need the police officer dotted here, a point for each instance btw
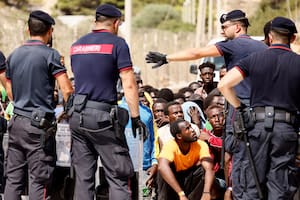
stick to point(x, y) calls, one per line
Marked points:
point(31, 72)
point(237, 45)
point(275, 85)
point(97, 124)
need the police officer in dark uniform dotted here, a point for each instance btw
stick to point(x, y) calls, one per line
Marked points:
point(97, 123)
point(32, 70)
point(237, 45)
point(274, 75)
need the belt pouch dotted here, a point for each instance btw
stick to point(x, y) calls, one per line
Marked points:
point(122, 116)
point(36, 116)
point(80, 102)
point(269, 118)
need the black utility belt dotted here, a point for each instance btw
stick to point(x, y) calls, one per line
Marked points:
point(39, 118)
point(35, 114)
point(261, 113)
point(81, 102)
point(98, 105)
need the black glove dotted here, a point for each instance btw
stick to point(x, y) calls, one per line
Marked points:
point(156, 57)
point(138, 124)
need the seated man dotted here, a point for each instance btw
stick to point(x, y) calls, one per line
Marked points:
point(185, 166)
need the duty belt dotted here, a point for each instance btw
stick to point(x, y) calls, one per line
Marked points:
point(28, 114)
point(279, 115)
point(98, 105)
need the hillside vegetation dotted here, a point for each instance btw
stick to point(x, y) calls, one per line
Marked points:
point(13, 33)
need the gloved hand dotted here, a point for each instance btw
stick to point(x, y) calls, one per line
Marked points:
point(156, 57)
point(138, 124)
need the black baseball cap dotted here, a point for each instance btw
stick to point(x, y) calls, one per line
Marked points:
point(283, 24)
point(108, 10)
point(235, 15)
point(42, 16)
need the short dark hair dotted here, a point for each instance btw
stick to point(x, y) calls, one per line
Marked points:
point(267, 28)
point(244, 22)
point(194, 83)
point(166, 94)
point(38, 27)
point(185, 89)
point(223, 67)
point(207, 101)
point(160, 100)
point(179, 96)
point(213, 106)
point(174, 127)
point(102, 18)
point(171, 103)
point(148, 88)
point(207, 64)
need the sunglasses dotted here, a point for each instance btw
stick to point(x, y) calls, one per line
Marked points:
point(223, 27)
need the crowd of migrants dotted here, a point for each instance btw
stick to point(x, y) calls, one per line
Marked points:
point(194, 144)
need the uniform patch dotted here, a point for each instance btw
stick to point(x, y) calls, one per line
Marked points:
point(92, 48)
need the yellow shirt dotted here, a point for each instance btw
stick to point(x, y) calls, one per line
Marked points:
point(171, 152)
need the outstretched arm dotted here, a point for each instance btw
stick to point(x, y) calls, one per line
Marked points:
point(194, 53)
point(189, 54)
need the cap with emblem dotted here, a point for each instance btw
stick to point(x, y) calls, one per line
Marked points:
point(108, 10)
point(283, 25)
point(42, 16)
point(235, 15)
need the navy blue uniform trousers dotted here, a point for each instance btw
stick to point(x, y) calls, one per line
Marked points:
point(93, 137)
point(274, 157)
point(24, 148)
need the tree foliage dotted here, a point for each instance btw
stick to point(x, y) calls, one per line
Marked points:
point(88, 6)
point(161, 16)
point(15, 3)
point(270, 9)
point(83, 7)
point(153, 14)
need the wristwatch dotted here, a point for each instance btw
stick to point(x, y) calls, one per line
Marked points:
point(181, 193)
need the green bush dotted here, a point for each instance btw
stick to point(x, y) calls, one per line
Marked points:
point(176, 26)
point(268, 10)
point(155, 14)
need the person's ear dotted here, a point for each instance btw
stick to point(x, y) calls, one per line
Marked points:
point(293, 38)
point(238, 27)
point(270, 38)
point(179, 136)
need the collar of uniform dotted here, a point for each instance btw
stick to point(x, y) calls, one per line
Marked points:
point(280, 46)
point(34, 42)
point(101, 31)
point(244, 36)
